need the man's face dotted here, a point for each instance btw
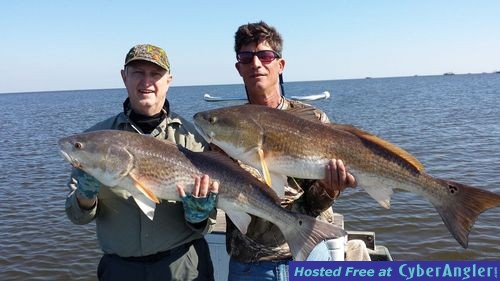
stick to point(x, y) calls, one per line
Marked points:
point(147, 85)
point(260, 77)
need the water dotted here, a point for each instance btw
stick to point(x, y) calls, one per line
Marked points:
point(450, 123)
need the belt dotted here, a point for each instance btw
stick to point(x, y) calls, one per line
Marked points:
point(160, 255)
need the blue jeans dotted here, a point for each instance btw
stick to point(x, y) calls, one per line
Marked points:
point(264, 270)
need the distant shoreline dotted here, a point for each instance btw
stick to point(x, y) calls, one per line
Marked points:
point(287, 82)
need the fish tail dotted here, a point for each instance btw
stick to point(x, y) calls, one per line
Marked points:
point(307, 232)
point(460, 213)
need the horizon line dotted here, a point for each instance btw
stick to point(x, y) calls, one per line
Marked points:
point(230, 84)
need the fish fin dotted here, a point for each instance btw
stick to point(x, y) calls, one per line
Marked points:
point(248, 174)
point(306, 233)
point(240, 219)
point(381, 194)
point(265, 170)
point(372, 139)
point(279, 181)
point(376, 187)
point(461, 208)
point(145, 190)
point(147, 206)
point(307, 113)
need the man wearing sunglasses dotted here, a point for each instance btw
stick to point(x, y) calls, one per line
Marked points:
point(263, 254)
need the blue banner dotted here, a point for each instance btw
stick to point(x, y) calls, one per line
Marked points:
point(395, 270)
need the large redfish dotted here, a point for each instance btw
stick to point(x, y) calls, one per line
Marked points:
point(281, 143)
point(150, 169)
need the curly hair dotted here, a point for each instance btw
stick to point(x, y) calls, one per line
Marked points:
point(256, 33)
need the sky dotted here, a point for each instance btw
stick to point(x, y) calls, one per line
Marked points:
point(57, 45)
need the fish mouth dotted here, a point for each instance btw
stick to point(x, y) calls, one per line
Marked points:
point(207, 137)
point(72, 161)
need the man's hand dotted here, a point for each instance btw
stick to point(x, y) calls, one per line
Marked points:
point(87, 188)
point(201, 201)
point(337, 178)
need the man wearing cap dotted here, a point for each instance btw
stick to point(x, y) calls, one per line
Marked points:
point(170, 244)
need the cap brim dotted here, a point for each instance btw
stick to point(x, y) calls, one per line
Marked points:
point(148, 60)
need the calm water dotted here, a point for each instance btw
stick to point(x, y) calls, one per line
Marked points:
point(450, 123)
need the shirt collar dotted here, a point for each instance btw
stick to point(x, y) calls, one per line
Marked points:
point(171, 118)
point(127, 108)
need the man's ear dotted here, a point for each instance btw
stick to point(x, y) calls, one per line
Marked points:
point(281, 65)
point(123, 75)
point(237, 65)
point(170, 77)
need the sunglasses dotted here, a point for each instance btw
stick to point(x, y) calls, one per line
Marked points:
point(265, 56)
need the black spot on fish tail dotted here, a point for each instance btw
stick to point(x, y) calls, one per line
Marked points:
point(461, 208)
point(452, 188)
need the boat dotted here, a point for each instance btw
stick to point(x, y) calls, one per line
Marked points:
point(208, 97)
point(217, 244)
point(448, 73)
point(323, 95)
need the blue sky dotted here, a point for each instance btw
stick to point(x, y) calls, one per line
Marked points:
point(66, 45)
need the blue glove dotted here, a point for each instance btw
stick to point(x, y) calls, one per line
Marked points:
point(197, 209)
point(87, 186)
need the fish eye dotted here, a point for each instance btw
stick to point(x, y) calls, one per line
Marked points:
point(212, 119)
point(78, 145)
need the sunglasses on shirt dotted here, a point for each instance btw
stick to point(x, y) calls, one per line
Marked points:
point(265, 56)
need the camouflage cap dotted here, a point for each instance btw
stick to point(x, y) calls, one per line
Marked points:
point(149, 53)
